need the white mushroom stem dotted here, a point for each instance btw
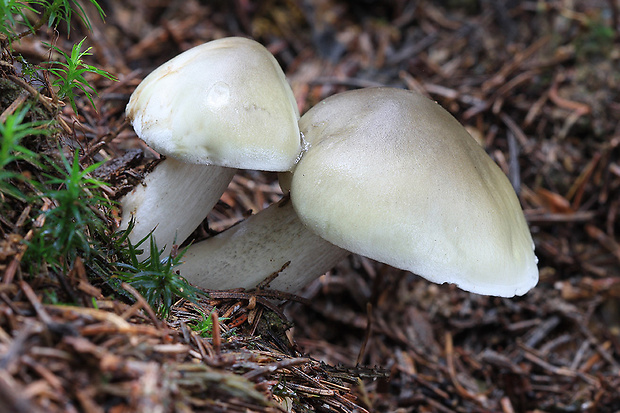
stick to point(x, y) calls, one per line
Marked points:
point(249, 252)
point(173, 200)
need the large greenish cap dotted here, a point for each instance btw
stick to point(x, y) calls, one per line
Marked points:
point(391, 175)
point(225, 103)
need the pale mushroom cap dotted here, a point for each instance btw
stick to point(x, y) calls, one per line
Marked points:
point(391, 175)
point(225, 102)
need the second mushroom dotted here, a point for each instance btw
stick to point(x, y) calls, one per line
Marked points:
point(390, 175)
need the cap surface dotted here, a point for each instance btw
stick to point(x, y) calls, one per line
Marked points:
point(225, 102)
point(391, 175)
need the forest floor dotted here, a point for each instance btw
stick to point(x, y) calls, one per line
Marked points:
point(537, 83)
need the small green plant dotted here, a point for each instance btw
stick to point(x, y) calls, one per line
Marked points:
point(71, 223)
point(62, 196)
point(12, 14)
point(204, 325)
point(12, 131)
point(154, 277)
point(62, 11)
point(15, 13)
point(70, 74)
point(50, 296)
point(596, 40)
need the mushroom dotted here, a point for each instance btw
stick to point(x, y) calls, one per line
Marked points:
point(219, 106)
point(390, 175)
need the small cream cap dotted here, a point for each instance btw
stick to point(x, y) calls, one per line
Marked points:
point(225, 103)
